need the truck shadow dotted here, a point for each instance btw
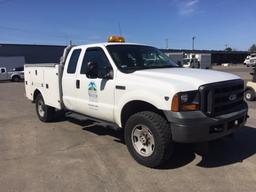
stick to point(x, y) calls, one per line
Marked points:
point(220, 153)
point(231, 150)
point(100, 130)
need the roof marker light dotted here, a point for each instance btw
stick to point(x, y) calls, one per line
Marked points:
point(117, 39)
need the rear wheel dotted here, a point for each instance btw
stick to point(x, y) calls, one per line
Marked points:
point(249, 95)
point(16, 78)
point(148, 138)
point(44, 112)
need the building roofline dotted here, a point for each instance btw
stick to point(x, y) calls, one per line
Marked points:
point(41, 45)
point(203, 51)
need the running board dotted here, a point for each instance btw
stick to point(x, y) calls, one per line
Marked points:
point(81, 118)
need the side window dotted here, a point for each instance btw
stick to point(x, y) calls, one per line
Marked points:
point(18, 69)
point(96, 55)
point(73, 61)
point(2, 70)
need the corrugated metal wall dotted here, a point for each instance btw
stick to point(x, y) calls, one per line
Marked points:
point(33, 53)
point(217, 57)
point(52, 54)
point(11, 62)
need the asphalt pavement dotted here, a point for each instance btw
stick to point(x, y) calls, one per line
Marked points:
point(68, 155)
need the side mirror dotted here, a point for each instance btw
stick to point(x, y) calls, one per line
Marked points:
point(109, 73)
point(92, 70)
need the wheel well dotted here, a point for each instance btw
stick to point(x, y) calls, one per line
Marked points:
point(137, 106)
point(15, 76)
point(249, 88)
point(36, 93)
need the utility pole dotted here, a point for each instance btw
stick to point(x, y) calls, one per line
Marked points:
point(193, 42)
point(167, 43)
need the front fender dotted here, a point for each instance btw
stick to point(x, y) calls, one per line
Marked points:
point(160, 101)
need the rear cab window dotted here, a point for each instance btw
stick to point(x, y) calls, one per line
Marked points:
point(72, 64)
point(3, 70)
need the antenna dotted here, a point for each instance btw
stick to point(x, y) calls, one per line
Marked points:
point(119, 29)
point(167, 43)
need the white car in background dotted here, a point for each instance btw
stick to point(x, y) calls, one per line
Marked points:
point(247, 60)
point(250, 60)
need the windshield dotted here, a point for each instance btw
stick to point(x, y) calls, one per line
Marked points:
point(186, 61)
point(129, 58)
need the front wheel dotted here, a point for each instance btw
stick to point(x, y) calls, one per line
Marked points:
point(249, 95)
point(15, 78)
point(148, 138)
point(44, 112)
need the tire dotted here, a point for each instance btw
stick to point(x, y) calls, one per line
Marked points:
point(15, 78)
point(157, 147)
point(44, 112)
point(249, 95)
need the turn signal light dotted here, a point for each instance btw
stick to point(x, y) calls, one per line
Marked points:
point(175, 103)
point(190, 107)
point(117, 39)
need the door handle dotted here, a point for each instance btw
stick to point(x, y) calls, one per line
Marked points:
point(78, 84)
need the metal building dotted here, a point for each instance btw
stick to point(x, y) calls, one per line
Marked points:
point(12, 62)
point(217, 57)
point(33, 53)
point(52, 53)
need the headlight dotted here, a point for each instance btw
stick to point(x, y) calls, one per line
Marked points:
point(185, 101)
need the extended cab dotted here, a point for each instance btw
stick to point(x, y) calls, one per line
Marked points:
point(138, 88)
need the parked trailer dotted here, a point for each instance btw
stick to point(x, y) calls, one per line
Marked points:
point(202, 61)
point(177, 57)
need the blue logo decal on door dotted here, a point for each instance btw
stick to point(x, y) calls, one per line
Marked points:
point(92, 86)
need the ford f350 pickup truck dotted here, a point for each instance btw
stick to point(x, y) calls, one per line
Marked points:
point(138, 88)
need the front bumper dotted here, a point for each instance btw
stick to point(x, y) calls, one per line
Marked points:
point(193, 127)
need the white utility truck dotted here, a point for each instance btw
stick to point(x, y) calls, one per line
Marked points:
point(155, 101)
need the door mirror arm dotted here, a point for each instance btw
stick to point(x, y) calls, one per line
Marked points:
point(109, 73)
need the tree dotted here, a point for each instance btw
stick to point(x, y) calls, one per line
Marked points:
point(253, 48)
point(228, 49)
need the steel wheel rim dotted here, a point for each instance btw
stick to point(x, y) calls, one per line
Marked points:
point(40, 108)
point(143, 140)
point(248, 95)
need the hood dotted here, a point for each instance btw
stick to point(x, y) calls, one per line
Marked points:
point(183, 78)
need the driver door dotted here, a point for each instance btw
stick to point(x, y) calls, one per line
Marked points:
point(96, 94)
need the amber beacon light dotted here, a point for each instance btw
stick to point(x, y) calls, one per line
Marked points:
point(114, 38)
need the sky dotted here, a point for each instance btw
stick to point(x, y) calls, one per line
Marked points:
point(214, 23)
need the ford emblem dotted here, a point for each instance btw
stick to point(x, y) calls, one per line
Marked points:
point(232, 97)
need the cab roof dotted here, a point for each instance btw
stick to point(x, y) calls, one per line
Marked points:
point(106, 44)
